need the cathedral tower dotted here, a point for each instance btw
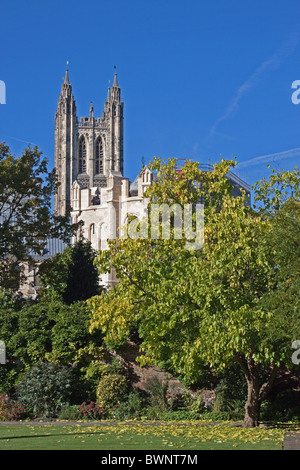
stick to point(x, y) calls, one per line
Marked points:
point(65, 122)
point(88, 150)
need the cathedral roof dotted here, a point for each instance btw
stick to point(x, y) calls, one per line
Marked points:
point(134, 184)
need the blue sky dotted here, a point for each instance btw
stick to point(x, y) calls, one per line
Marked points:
point(200, 79)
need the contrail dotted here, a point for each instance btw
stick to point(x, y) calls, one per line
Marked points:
point(266, 66)
point(270, 158)
point(20, 140)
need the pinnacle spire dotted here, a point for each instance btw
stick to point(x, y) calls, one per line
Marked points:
point(67, 75)
point(115, 79)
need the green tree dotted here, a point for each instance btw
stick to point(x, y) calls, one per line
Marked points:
point(196, 308)
point(72, 274)
point(26, 220)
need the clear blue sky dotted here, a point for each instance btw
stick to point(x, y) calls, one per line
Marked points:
point(200, 79)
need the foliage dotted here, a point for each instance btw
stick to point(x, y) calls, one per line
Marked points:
point(72, 274)
point(158, 393)
point(195, 308)
point(69, 413)
point(111, 391)
point(196, 403)
point(133, 407)
point(26, 219)
point(45, 389)
point(283, 408)
point(13, 412)
point(86, 411)
point(10, 306)
point(91, 411)
point(179, 415)
point(48, 329)
point(231, 394)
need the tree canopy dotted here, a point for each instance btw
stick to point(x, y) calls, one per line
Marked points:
point(209, 307)
point(26, 219)
point(72, 274)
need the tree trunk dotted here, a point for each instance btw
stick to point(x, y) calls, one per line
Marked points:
point(252, 407)
point(256, 392)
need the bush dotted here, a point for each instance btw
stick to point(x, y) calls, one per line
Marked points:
point(285, 407)
point(69, 413)
point(231, 395)
point(158, 393)
point(111, 391)
point(133, 407)
point(91, 411)
point(45, 389)
point(85, 411)
point(196, 404)
point(11, 411)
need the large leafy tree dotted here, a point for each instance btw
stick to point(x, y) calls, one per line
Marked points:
point(207, 307)
point(26, 219)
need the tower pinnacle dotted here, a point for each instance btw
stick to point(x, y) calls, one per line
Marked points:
point(67, 75)
point(115, 79)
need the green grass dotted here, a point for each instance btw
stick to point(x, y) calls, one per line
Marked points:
point(188, 436)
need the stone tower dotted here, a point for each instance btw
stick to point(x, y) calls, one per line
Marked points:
point(86, 150)
point(65, 122)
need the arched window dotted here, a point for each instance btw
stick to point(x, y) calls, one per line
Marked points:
point(92, 231)
point(82, 155)
point(99, 157)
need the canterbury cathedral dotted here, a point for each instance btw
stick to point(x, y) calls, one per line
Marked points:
point(89, 163)
point(88, 158)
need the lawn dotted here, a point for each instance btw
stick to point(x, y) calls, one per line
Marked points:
point(138, 436)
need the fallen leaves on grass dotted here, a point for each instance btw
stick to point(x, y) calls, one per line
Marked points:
point(192, 432)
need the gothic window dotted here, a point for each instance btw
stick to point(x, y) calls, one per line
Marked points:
point(82, 155)
point(99, 157)
point(93, 236)
point(92, 231)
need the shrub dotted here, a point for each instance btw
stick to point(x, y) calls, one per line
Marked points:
point(69, 413)
point(132, 407)
point(111, 391)
point(45, 389)
point(15, 412)
point(11, 411)
point(158, 393)
point(284, 407)
point(231, 394)
point(195, 404)
point(91, 411)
